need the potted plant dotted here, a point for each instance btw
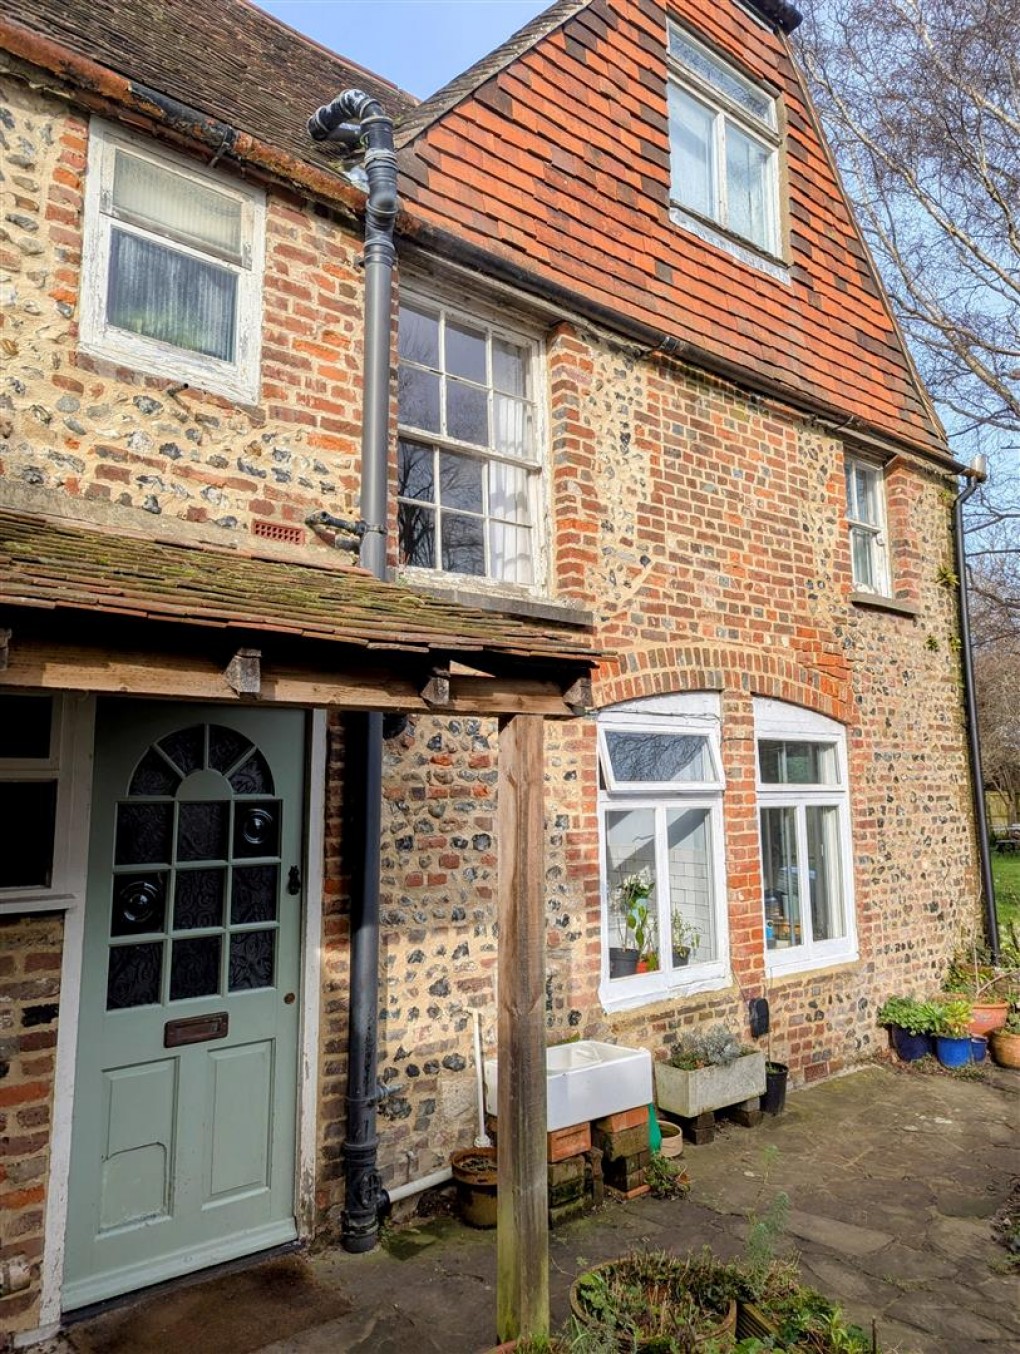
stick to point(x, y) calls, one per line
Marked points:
point(1005, 1043)
point(952, 1032)
point(685, 938)
point(911, 1024)
point(984, 985)
point(630, 904)
point(648, 1301)
point(707, 1070)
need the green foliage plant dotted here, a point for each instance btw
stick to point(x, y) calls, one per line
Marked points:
point(952, 1017)
point(715, 1047)
point(667, 1179)
point(916, 1017)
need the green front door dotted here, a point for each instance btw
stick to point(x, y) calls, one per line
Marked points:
point(185, 1108)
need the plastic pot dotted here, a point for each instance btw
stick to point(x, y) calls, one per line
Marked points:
point(909, 1047)
point(774, 1099)
point(978, 1048)
point(953, 1052)
point(622, 963)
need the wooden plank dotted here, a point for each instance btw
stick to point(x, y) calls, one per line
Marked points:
point(522, 1237)
point(48, 665)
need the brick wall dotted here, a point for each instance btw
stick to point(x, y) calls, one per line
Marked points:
point(30, 957)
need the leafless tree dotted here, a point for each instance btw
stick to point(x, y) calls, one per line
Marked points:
point(996, 634)
point(921, 101)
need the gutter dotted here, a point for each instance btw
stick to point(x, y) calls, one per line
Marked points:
point(356, 118)
point(977, 473)
point(102, 90)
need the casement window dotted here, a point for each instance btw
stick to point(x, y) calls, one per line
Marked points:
point(804, 818)
point(172, 270)
point(724, 145)
point(663, 873)
point(44, 772)
point(468, 465)
point(865, 512)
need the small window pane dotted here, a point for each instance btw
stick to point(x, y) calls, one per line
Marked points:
point(134, 974)
point(154, 776)
point(251, 960)
point(202, 831)
point(226, 747)
point(630, 863)
point(508, 493)
point(418, 396)
point(692, 910)
point(641, 756)
point(253, 776)
point(156, 291)
point(791, 763)
point(254, 895)
point(198, 899)
point(467, 413)
point(463, 544)
point(509, 367)
point(415, 472)
point(781, 881)
point(825, 874)
point(747, 186)
point(512, 431)
point(465, 352)
point(866, 494)
point(27, 816)
point(25, 725)
point(460, 482)
point(186, 748)
point(510, 551)
point(416, 528)
point(862, 549)
point(195, 213)
point(419, 336)
point(195, 967)
point(144, 834)
point(716, 73)
point(693, 156)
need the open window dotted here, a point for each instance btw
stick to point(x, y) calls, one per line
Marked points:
point(660, 803)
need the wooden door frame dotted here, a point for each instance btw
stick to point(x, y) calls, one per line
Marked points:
point(314, 780)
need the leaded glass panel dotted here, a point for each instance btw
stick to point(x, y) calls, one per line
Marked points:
point(154, 776)
point(251, 960)
point(144, 834)
point(202, 830)
point(186, 748)
point(253, 777)
point(133, 976)
point(226, 748)
point(255, 891)
point(198, 899)
point(195, 967)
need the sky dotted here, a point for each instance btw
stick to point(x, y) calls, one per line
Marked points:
point(417, 44)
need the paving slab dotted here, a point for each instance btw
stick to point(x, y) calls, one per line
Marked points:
point(892, 1178)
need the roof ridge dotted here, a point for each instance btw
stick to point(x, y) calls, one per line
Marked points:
point(462, 86)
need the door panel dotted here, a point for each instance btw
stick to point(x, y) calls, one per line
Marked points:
point(184, 1133)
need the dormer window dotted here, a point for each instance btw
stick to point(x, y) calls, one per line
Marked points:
point(724, 146)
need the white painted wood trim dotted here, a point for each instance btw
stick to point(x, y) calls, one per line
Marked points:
point(311, 971)
point(82, 714)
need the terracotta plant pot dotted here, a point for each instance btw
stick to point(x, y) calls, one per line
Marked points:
point(987, 1016)
point(1005, 1048)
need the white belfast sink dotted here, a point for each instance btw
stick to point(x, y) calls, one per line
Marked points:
point(585, 1081)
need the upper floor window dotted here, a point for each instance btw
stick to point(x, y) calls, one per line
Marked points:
point(724, 144)
point(468, 469)
point(173, 262)
point(805, 837)
point(661, 788)
point(865, 511)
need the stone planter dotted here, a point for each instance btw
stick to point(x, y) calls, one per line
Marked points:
point(689, 1094)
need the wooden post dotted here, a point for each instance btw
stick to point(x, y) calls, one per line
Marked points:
point(522, 1239)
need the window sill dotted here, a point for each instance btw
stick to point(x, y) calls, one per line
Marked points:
point(874, 601)
point(508, 603)
point(741, 250)
point(629, 994)
point(808, 964)
point(11, 905)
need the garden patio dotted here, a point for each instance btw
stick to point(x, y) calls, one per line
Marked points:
point(893, 1178)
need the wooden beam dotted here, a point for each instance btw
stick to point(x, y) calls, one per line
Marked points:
point(5, 648)
point(50, 665)
point(522, 1236)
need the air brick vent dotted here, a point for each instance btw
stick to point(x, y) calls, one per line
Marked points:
point(279, 531)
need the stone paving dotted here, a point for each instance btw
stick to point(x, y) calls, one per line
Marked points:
point(892, 1177)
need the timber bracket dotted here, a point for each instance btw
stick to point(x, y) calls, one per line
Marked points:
point(243, 674)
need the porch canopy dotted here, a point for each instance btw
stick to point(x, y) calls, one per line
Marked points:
point(90, 609)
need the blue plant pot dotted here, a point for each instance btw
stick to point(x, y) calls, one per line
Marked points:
point(978, 1048)
point(909, 1047)
point(953, 1052)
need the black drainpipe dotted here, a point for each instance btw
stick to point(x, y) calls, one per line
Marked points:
point(977, 474)
point(356, 117)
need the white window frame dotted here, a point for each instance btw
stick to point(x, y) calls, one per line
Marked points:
point(69, 763)
point(480, 316)
point(236, 380)
point(776, 721)
point(682, 713)
point(876, 533)
point(765, 132)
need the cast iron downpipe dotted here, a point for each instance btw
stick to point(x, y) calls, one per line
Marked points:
point(977, 475)
point(356, 117)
